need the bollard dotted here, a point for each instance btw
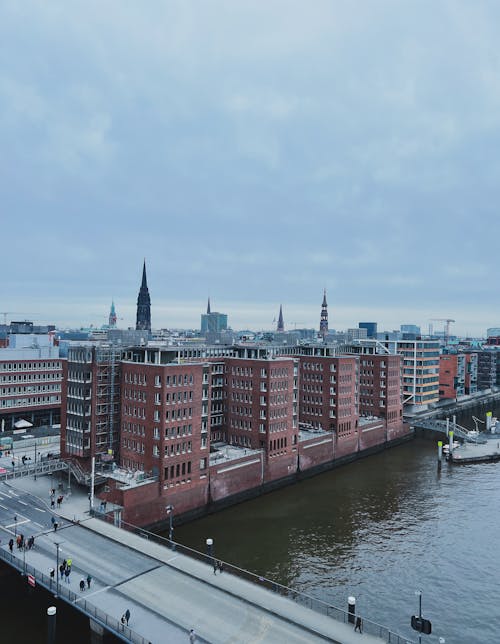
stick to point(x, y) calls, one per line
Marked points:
point(440, 453)
point(51, 624)
point(351, 609)
point(451, 443)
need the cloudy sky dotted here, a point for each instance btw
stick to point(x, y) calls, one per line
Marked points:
point(256, 152)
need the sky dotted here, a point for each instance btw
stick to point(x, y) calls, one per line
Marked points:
point(253, 152)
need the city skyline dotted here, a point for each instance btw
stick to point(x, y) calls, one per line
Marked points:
point(257, 154)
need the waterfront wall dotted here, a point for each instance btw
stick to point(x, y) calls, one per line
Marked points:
point(231, 482)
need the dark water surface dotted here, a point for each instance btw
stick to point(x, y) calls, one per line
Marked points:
point(379, 529)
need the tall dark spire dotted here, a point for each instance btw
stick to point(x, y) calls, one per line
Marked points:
point(281, 325)
point(143, 320)
point(323, 324)
point(208, 307)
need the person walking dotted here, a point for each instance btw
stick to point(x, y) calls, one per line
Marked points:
point(89, 579)
point(220, 566)
point(192, 636)
point(67, 573)
point(11, 544)
point(358, 626)
point(55, 526)
point(82, 585)
point(61, 571)
point(216, 567)
point(127, 615)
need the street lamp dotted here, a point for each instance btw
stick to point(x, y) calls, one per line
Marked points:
point(170, 514)
point(15, 525)
point(418, 593)
point(210, 543)
point(57, 543)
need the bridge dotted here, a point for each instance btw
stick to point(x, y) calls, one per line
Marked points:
point(167, 588)
point(444, 427)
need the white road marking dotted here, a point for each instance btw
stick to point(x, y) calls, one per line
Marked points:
point(39, 524)
point(12, 525)
point(3, 506)
point(39, 509)
point(22, 502)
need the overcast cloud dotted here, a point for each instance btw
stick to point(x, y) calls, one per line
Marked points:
point(255, 152)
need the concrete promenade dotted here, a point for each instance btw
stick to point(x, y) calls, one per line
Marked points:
point(168, 592)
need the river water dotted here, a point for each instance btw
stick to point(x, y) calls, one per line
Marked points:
point(379, 529)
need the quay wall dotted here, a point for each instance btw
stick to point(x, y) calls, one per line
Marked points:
point(233, 482)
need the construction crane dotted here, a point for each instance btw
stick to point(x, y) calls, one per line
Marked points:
point(447, 322)
point(6, 313)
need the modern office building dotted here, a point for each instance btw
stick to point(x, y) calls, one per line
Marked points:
point(371, 328)
point(213, 322)
point(31, 376)
point(420, 372)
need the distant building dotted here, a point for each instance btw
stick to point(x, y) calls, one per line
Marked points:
point(371, 328)
point(493, 332)
point(31, 376)
point(357, 334)
point(323, 323)
point(458, 374)
point(143, 319)
point(281, 324)
point(486, 369)
point(410, 328)
point(420, 371)
point(112, 317)
point(213, 322)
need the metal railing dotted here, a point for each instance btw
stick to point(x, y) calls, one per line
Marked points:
point(299, 597)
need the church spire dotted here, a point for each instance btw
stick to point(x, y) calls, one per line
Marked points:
point(281, 325)
point(323, 324)
point(112, 316)
point(143, 319)
point(208, 306)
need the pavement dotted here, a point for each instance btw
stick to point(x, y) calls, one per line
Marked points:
point(167, 592)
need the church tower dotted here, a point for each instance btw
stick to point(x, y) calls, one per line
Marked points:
point(112, 316)
point(323, 324)
point(281, 325)
point(143, 320)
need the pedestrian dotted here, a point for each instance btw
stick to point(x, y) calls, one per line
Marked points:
point(52, 520)
point(89, 579)
point(13, 464)
point(67, 574)
point(220, 566)
point(64, 564)
point(52, 504)
point(192, 636)
point(358, 626)
point(69, 563)
point(55, 526)
point(11, 544)
point(122, 619)
point(127, 615)
point(52, 573)
point(61, 571)
point(82, 585)
point(18, 541)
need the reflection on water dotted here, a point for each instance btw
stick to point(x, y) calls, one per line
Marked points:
point(379, 529)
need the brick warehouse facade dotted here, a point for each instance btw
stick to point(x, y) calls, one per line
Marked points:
point(200, 425)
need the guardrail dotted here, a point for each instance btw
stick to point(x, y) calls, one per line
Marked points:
point(301, 598)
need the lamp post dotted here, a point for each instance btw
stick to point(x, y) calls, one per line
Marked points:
point(15, 525)
point(170, 514)
point(210, 543)
point(418, 593)
point(57, 568)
